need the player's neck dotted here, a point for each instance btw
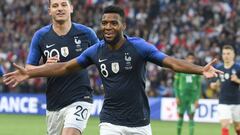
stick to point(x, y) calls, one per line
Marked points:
point(118, 45)
point(228, 64)
point(62, 29)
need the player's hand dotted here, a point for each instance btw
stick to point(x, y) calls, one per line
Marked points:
point(54, 59)
point(15, 77)
point(234, 78)
point(209, 71)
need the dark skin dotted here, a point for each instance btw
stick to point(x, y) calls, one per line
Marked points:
point(112, 26)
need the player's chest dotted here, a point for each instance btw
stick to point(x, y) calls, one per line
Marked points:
point(65, 48)
point(226, 76)
point(111, 64)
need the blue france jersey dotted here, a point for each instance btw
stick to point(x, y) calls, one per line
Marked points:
point(123, 76)
point(229, 90)
point(63, 90)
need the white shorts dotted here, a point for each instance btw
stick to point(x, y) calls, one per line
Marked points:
point(111, 129)
point(231, 112)
point(75, 116)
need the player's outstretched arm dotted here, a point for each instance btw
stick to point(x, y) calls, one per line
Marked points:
point(47, 70)
point(179, 65)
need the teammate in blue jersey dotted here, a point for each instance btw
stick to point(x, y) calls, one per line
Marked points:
point(121, 61)
point(68, 103)
point(229, 98)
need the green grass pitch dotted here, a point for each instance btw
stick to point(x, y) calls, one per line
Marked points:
point(35, 125)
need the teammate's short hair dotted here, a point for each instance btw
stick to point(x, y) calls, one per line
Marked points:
point(49, 2)
point(228, 47)
point(114, 9)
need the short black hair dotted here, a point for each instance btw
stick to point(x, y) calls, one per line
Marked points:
point(114, 9)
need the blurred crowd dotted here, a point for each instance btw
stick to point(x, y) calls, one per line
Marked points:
point(175, 27)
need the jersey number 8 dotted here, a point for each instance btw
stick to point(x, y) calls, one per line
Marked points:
point(104, 71)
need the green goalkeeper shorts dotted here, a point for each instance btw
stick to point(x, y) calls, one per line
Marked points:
point(186, 106)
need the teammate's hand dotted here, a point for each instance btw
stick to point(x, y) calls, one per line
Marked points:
point(54, 59)
point(15, 77)
point(209, 71)
point(234, 78)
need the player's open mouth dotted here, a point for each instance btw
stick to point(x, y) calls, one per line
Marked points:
point(60, 14)
point(108, 35)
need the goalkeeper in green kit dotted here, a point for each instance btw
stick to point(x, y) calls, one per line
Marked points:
point(187, 89)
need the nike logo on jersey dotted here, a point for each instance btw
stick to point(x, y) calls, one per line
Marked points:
point(101, 60)
point(49, 46)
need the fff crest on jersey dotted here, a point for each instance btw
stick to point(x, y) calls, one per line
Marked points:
point(78, 43)
point(128, 60)
point(64, 51)
point(77, 40)
point(127, 57)
point(115, 67)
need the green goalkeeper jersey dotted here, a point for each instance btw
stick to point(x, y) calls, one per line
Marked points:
point(187, 86)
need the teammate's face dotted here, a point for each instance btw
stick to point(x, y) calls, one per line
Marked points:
point(60, 10)
point(112, 28)
point(228, 55)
